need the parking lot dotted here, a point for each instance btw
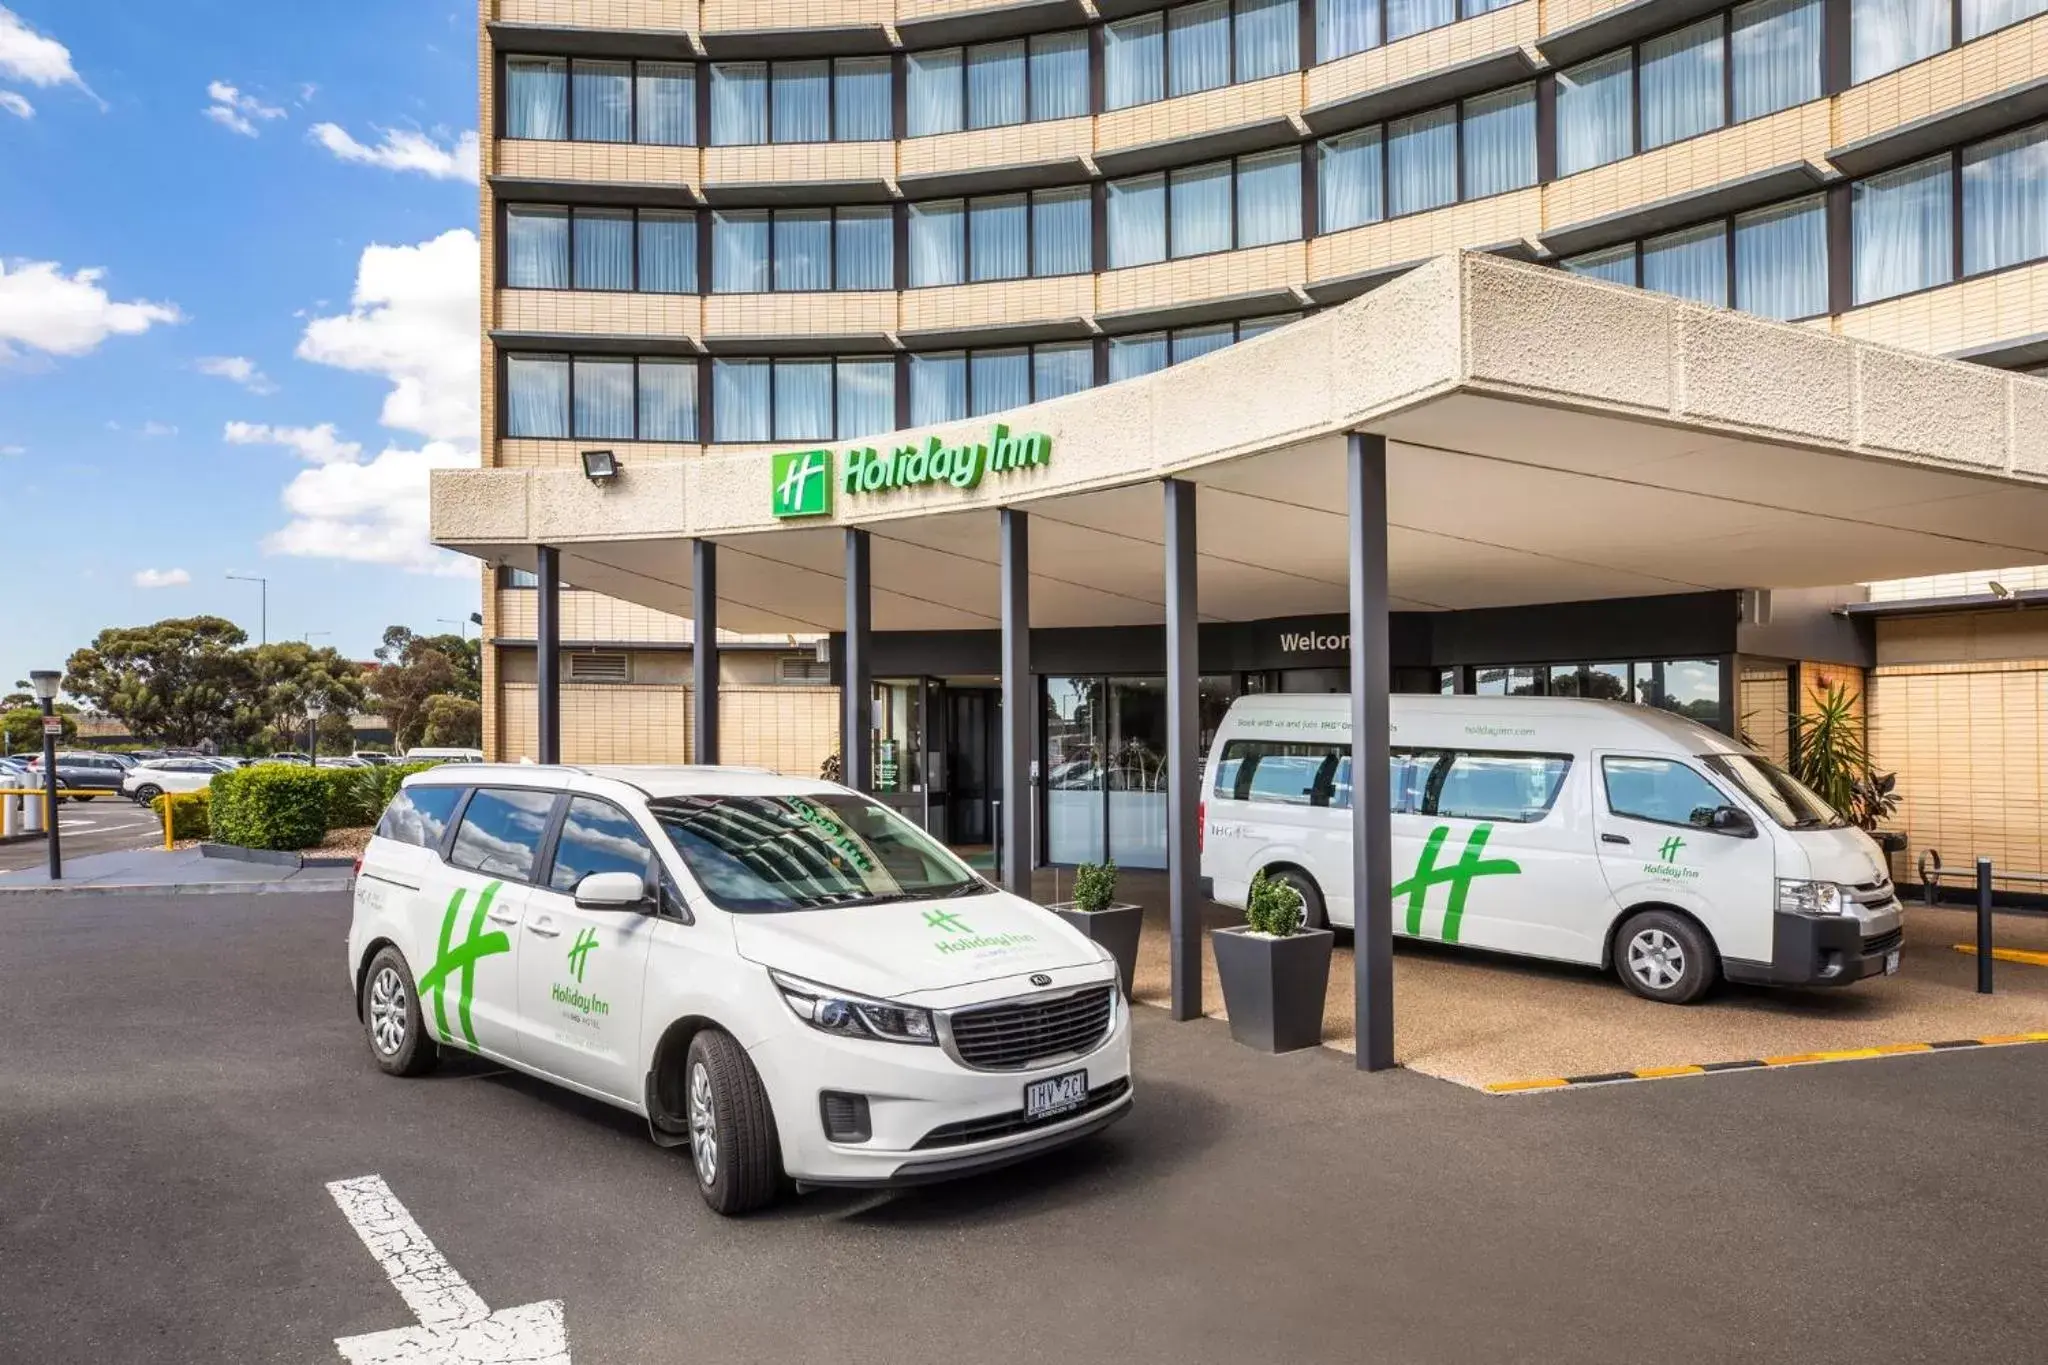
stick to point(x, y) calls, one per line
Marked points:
point(105, 824)
point(184, 1077)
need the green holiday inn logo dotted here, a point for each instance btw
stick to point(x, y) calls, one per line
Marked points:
point(946, 922)
point(1667, 866)
point(580, 950)
point(1471, 865)
point(457, 962)
point(1668, 851)
point(801, 481)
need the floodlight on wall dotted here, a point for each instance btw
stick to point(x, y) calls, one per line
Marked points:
point(600, 466)
point(45, 681)
point(1999, 590)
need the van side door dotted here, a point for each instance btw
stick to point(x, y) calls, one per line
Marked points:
point(469, 989)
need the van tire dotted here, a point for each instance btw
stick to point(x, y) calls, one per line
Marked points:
point(389, 996)
point(1664, 956)
point(720, 1085)
point(1313, 913)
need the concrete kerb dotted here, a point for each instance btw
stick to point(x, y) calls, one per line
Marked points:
point(309, 886)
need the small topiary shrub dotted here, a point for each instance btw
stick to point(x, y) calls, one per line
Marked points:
point(1094, 886)
point(1273, 907)
point(270, 805)
point(190, 813)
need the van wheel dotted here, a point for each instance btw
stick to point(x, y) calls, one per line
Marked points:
point(1665, 957)
point(1313, 916)
point(392, 1021)
point(732, 1130)
point(146, 794)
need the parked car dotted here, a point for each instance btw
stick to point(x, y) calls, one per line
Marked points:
point(377, 760)
point(340, 761)
point(444, 755)
point(95, 772)
point(147, 781)
point(287, 756)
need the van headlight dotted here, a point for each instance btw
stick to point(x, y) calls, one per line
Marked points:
point(1808, 898)
point(845, 1015)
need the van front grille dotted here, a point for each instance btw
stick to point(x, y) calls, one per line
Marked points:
point(1024, 1033)
point(1883, 943)
point(1003, 1125)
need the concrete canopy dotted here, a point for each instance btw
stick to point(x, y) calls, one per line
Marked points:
point(1549, 439)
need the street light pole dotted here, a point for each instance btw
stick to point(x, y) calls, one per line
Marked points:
point(264, 637)
point(46, 682)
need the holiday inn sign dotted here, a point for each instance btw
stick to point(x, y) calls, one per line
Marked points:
point(801, 481)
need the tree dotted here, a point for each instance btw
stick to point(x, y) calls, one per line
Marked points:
point(337, 734)
point(413, 669)
point(453, 723)
point(178, 681)
point(289, 682)
point(23, 726)
point(464, 656)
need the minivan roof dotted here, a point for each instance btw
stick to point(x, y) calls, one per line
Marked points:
point(651, 779)
point(1618, 718)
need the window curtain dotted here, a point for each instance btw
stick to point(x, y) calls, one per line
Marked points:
point(1132, 356)
point(867, 397)
point(665, 104)
point(739, 252)
point(998, 236)
point(1348, 181)
point(1268, 37)
point(668, 252)
point(1781, 260)
point(1198, 47)
point(739, 104)
point(536, 248)
point(803, 400)
point(1422, 161)
point(1057, 371)
point(2005, 201)
point(1982, 16)
point(1134, 61)
point(803, 249)
point(1692, 264)
point(865, 245)
point(603, 243)
point(932, 93)
point(1269, 197)
point(1061, 232)
point(861, 99)
point(602, 101)
point(938, 387)
point(1137, 221)
point(668, 399)
point(1616, 265)
point(536, 396)
point(1474, 8)
point(1682, 83)
point(537, 98)
point(1191, 342)
point(938, 244)
point(1418, 16)
point(1885, 35)
point(603, 398)
point(1595, 113)
point(1059, 75)
point(1500, 142)
point(1199, 209)
point(800, 107)
point(1777, 55)
point(1901, 230)
point(999, 381)
point(1346, 26)
point(739, 400)
point(995, 84)
point(1258, 327)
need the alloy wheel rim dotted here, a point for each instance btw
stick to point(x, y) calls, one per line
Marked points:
point(387, 1011)
point(703, 1125)
point(1657, 959)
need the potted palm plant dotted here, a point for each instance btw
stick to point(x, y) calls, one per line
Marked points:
point(1099, 915)
point(1275, 973)
point(1834, 760)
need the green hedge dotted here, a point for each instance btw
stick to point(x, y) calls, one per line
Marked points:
point(270, 805)
point(388, 779)
point(353, 796)
point(190, 814)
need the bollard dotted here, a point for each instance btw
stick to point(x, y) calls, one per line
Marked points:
point(1983, 926)
point(32, 814)
point(10, 815)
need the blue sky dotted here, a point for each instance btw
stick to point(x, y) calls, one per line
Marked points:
point(237, 314)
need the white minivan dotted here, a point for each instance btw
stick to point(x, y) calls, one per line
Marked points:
point(785, 976)
point(1583, 831)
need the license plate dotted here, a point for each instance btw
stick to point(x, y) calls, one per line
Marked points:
point(1891, 963)
point(1055, 1095)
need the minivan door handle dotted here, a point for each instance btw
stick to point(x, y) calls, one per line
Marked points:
point(545, 928)
point(1614, 838)
point(503, 917)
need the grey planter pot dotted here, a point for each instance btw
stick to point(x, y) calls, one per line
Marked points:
point(1274, 988)
point(1116, 928)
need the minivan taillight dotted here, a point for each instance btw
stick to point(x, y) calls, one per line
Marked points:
point(1201, 823)
point(357, 870)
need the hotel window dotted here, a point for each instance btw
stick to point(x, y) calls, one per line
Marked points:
point(814, 398)
point(1000, 237)
point(601, 397)
point(1195, 210)
point(1415, 164)
point(1422, 161)
point(1690, 264)
point(1615, 264)
point(1903, 223)
point(754, 251)
point(1885, 35)
point(1775, 267)
point(1682, 77)
point(847, 99)
point(1775, 52)
point(995, 85)
point(1148, 352)
point(554, 99)
point(1350, 181)
point(948, 386)
point(1595, 113)
point(1198, 47)
point(2005, 201)
point(1347, 26)
point(552, 247)
point(1984, 16)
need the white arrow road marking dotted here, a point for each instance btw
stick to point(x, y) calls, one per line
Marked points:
point(455, 1326)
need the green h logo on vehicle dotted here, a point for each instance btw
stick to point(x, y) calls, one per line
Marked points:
point(1668, 851)
point(802, 483)
point(458, 961)
point(579, 952)
point(1459, 876)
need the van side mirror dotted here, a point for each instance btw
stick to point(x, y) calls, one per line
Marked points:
point(1729, 820)
point(611, 891)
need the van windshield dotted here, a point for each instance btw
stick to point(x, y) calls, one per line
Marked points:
point(816, 851)
point(1784, 797)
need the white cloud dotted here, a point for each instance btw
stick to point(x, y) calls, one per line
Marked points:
point(371, 512)
point(16, 105)
point(162, 578)
point(35, 58)
point(320, 445)
point(238, 112)
point(404, 150)
point(154, 430)
point(13, 450)
point(43, 308)
point(237, 368)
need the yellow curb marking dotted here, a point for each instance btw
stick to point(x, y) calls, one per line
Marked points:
point(1847, 1054)
point(1653, 1073)
point(1548, 1083)
point(2008, 955)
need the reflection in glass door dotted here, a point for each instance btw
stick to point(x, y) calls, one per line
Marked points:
point(1137, 771)
point(1073, 770)
point(1106, 765)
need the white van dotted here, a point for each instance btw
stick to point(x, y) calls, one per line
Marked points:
point(1581, 831)
point(444, 755)
point(785, 976)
